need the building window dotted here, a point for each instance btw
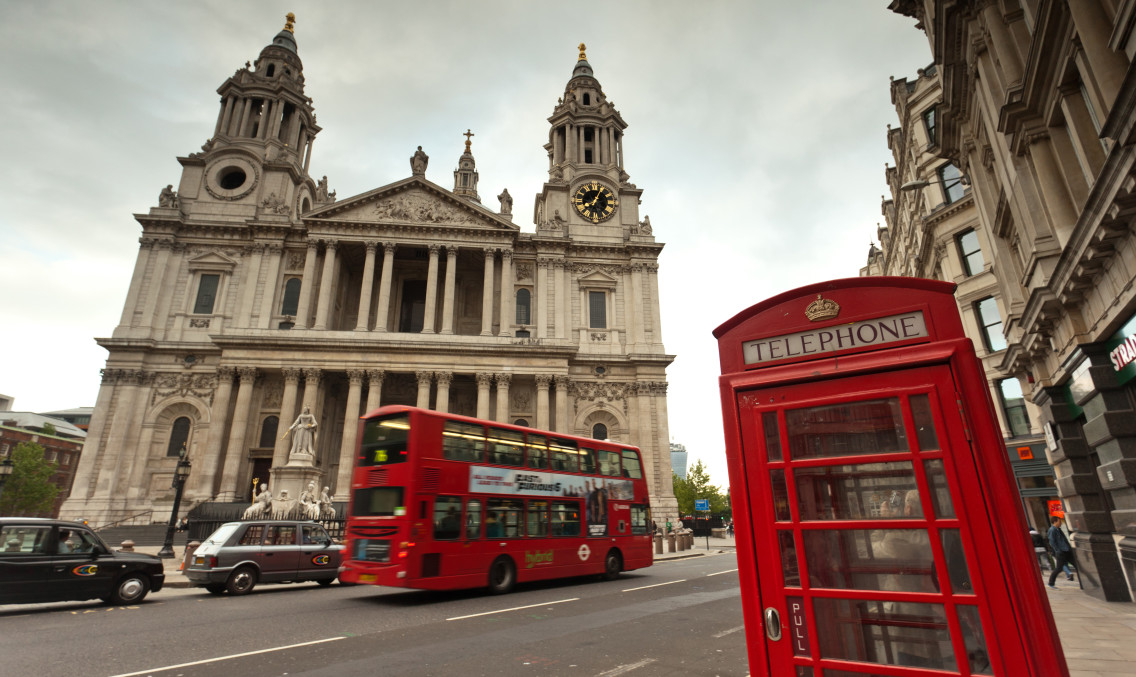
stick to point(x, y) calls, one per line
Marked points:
point(268, 432)
point(597, 310)
point(599, 432)
point(932, 131)
point(206, 294)
point(991, 321)
point(291, 302)
point(950, 179)
point(523, 300)
point(1014, 407)
point(4, 450)
point(179, 436)
point(971, 252)
point(65, 460)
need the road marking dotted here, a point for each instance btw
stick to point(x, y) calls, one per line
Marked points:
point(654, 586)
point(720, 573)
point(225, 658)
point(516, 608)
point(626, 668)
point(722, 634)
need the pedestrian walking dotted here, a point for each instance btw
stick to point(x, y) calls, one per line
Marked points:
point(1040, 549)
point(1062, 551)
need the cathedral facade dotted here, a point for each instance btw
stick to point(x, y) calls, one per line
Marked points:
point(257, 293)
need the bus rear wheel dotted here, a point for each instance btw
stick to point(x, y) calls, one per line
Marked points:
point(502, 576)
point(613, 565)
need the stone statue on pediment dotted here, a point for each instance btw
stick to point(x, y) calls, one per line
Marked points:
point(506, 202)
point(168, 197)
point(418, 162)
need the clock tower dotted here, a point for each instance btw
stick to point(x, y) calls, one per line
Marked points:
point(588, 192)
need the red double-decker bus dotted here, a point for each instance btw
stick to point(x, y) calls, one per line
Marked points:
point(441, 502)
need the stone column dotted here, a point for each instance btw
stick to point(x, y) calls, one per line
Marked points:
point(1095, 30)
point(442, 399)
point(304, 310)
point(487, 295)
point(145, 249)
point(1003, 43)
point(1062, 216)
point(92, 452)
point(246, 114)
point(656, 316)
point(507, 316)
point(541, 298)
point(570, 142)
point(365, 291)
point(431, 290)
point(287, 415)
point(646, 439)
point(326, 284)
point(383, 313)
point(129, 383)
point(562, 423)
point(350, 434)
point(448, 293)
point(483, 382)
point(636, 321)
point(204, 474)
point(564, 298)
point(248, 284)
point(542, 383)
point(312, 377)
point(424, 380)
point(271, 284)
point(237, 449)
point(560, 289)
point(503, 397)
point(374, 388)
point(226, 116)
point(157, 282)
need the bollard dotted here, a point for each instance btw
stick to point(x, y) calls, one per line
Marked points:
point(658, 544)
point(681, 541)
point(127, 546)
point(670, 542)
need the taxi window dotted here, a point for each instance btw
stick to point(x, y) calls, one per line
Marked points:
point(253, 536)
point(281, 535)
point(19, 539)
point(314, 534)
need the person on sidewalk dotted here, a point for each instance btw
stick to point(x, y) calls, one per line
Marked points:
point(1040, 549)
point(1061, 550)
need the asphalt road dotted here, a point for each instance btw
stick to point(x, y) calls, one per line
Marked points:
point(678, 617)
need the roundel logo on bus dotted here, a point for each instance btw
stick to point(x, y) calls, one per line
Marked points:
point(321, 560)
point(584, 552)
point(86, 570)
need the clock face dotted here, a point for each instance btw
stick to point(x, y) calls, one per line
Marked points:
point(595, 202)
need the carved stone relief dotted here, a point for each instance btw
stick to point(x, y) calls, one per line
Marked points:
point(419, 207)
point(200, 386)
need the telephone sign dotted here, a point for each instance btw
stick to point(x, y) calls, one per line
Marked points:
point(878, 526)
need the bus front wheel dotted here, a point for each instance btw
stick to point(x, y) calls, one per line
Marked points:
point(502, 576)
point(613, 565)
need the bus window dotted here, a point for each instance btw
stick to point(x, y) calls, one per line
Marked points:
point(638, 518)
point(447, 518)
point(565, 518)
point(507, 513)
point(378, 502)
point(384, 440)
point(537, 449)
point(609, 463)
point(587, 460)
point(463, 441)
point(631, 466)
point(538, 519)
point(563, 455)
point(505, 447)
point(473, 519)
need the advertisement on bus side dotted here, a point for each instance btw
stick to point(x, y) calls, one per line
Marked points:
point(596, 491)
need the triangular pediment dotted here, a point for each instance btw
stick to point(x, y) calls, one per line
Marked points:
point(597, 278)
point(413, 201)
point(211, 260)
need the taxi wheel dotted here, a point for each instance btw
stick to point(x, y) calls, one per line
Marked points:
point(612, 566)
point(215, 588)
point(324, 582)
point(502, 576)
point(242, 581)
point(130, 589)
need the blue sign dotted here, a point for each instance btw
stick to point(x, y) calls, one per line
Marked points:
point(702, 504)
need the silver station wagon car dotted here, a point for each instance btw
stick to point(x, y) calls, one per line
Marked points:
point(238, 555)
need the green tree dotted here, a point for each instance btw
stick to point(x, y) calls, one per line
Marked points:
point(29, 490)
point(48, 429)
point(697, 485)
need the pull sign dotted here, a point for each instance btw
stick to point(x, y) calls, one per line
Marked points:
point(772, 624)
point(800, 631)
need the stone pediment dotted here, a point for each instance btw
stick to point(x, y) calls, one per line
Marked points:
point(414, 202)
point(210, 260)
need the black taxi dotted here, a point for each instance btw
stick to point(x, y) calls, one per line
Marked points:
point(48, 560)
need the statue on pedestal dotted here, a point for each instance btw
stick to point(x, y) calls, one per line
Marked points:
point(303, 434)
point(260, 506)
point(308, 504)
point(418, 162)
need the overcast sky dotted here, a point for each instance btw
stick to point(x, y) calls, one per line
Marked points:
point(757, 130)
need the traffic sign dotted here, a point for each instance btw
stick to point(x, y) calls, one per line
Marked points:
point(702, 504)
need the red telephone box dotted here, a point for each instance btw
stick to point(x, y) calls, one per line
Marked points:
point(879, 527)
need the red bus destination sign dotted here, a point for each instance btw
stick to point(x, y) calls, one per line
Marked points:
point(861, 334)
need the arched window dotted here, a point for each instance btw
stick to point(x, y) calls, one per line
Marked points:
point(521, 421)
point(523, 299)
point(599, 432)
point(291, 297)
point(179, 436)
point(268, 432)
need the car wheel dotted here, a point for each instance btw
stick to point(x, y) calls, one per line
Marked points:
point(502, 576)
point(324, 582)
point(130, 589)
point(216, 588)
point(241, 581)
point(613, 565)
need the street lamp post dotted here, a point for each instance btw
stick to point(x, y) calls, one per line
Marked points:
point(6, 469)
point(180, 475)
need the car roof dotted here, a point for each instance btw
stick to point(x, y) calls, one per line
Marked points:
point(273, 522)
point(49, 521)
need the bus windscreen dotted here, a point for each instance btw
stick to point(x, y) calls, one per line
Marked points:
point(384, 440)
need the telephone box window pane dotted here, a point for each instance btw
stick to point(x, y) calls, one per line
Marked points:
point(789, 563)
point(975, 640)
point(780, 495)
point(924, 422)
point(868, 427)
point(889, 633)
point(806, 671)
point(957, 569)
point(895, 560)
point(772, 435)
point(841, 492)
point(940, 494)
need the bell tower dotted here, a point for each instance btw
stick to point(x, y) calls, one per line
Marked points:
point(587, 190)
point(465, 176)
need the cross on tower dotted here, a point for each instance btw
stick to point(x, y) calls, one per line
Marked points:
point(467, 135)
